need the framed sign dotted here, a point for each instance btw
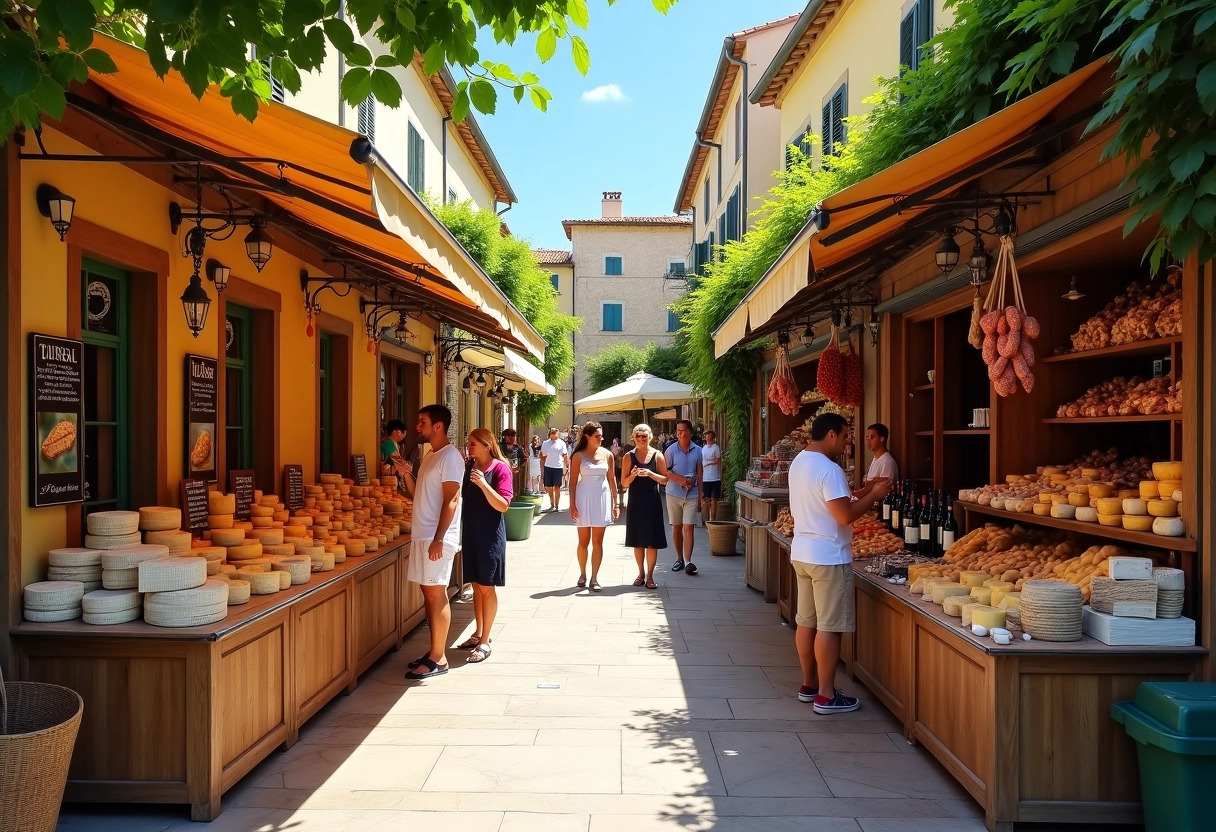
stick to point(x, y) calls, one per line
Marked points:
point(194, 506)
point(57, 463)
point(240, 483)
point(202, 400)
point(293, 487)
point(358, 469)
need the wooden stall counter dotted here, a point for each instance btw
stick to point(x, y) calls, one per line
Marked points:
point(181, 715)
point(1025, 728)
point(757, 508)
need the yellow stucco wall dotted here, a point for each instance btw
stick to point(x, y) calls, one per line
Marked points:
point(119, 199)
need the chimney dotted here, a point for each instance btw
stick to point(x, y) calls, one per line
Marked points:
point(611, 205)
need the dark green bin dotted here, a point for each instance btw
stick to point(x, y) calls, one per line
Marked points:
point(519, 521)
point(1174, 726)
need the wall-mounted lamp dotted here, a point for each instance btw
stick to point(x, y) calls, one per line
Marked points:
point(481, 380)
point(428, 363)
point(218, 274)
point(977, 264)
point(947, 253)
point(1072, 293)
point(467, 384)
point(259, 245)
point(56, 206)
point(195, 303)
point(873, 325)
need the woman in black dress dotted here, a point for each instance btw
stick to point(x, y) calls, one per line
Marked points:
point(642, 472)
point(487, 491)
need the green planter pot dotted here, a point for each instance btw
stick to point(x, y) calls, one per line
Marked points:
point(519, 521)
point(528, 497)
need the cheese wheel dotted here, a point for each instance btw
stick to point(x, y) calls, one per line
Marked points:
point(266, 536)
point(74, 557)
point(1169, 486)
point(120, 578)
point(220, 521)
point(220, 503)
point(278, 549)
point(1135, 506)
point(255, 564)
point(1162, 508)
point(53, 595)
point(243, 525)
point(1062, 511)
point(1101, 489)
point(159, 518)
point(1086, 514)
point(119, 617)
point(1078, 499)
point(129, 557)
point(1149, 490)
point(1169, 578)
point(1137, 522)
point(270, 500)
point(111, 600)
point(1110, 519)
point(261, 523)
point(177, 540)
point(1168, 526)
point(213, 567)
point(1041, 509)
point(1108, 505)
point(112, 523)
point(209, 553)
point(1177, 496)
point(227, 537)
point(52, 616)
point(245, 551)
point(238, 592)
point(112, 541)
point(1167, 470)
point(261, 583)
point(171, 574)
point(260, 511)
point(211, 592)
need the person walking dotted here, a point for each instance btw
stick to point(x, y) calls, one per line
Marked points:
point(711, 485)
point(487, 491)
point(435, 533)
point(683, 474)
point(555, 458)
point(534, 470)
point(643, 470)
point(513, 455)
point(592, 499)
point(821, 555)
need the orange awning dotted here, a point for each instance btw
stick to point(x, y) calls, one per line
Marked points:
point(863, 215)
point(364, 205)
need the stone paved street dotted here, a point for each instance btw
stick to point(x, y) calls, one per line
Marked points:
point(627, 710)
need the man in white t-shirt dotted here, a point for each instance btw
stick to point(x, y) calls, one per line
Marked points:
point(435, 532)
point(711, 471)
point(555, 457)
point(883, 466)
point(821, 555)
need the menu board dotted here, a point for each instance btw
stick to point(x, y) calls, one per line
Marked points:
point(194, 506)
point(293, 487)
point(358, 469)
point(202, 404)
point(57, 464)
point(240, 483)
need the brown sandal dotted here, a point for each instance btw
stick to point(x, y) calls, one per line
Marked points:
point(640, 580)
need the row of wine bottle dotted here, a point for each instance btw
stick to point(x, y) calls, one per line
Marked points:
point(925, 522)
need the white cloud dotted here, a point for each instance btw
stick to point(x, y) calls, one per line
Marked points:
point(606, 92)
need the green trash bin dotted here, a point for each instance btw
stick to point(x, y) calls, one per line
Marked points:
point(529, 497)
point(519, 521)
point(1174, 726)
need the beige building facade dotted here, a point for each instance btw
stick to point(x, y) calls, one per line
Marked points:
point(560, 266)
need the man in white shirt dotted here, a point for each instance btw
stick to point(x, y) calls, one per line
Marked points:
point(435, 532)
point(821, 554)
point(883, 466)
point(711, 470)
point(555, 458)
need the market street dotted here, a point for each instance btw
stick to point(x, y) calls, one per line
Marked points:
point(628, 710)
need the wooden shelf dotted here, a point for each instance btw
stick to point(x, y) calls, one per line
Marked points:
point(1155, 541)
point(968, 432)
point(1113, 420)
point(930, 386)
point(924, 433)
point(1155, 345)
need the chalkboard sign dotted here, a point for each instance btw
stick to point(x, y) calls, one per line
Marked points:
point(57, 463)
point(202, 401)
point(194, 506)
point(358, 469)
point(293, 487)
point(240, 483)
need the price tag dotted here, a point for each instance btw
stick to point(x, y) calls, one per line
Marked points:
point(240, 483)
point(358, 467)
point(293, 487)
point(194, 506)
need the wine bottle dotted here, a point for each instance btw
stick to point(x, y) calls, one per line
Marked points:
point(911, 522)
point(926, 527)
point(885, 508)
point(896, 526)
point(949, 528)
point(942, 509)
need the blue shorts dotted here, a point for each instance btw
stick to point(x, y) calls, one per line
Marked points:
point(554, 477)
point(711, 489)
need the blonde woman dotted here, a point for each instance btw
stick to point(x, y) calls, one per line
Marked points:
point(592, 499)
point(643, 470)
point(487, 491)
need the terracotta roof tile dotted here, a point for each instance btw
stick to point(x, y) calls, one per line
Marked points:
point(552, 256)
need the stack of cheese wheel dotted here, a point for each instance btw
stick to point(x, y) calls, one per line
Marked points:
point(112, 606)
point(120, 567)
point(159, 519)
point(298, 567)
point(1171, 584)
point(1051, 610)
point(112, 529)
point(214, 555)
point(203, 603)
point(261, 582)
point(51, 601)
point(221, 510)
point(73, 564)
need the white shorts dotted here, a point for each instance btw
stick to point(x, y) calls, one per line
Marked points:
point(682, 511)
point(426, 572)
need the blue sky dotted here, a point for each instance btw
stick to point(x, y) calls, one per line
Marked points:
point(559, 162)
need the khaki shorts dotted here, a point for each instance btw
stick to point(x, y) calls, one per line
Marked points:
point(682, 511)
point(825, 597)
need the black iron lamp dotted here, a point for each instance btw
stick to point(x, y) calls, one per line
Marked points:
point(947, 253)
point(1073, 293)
point(218, 274)
point(873, 325)
point(1003, 223)
point(428, 363)
point(196, 304)
point(56, 206)
point(977, 264)
point(481, 380)
point(467, 384)
point(259, 245)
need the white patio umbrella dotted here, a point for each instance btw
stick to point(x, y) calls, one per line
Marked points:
point(638, 392)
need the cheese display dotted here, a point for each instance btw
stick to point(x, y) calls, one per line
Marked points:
point(52, 601)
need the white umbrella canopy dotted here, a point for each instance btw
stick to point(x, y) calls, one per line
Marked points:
point(638, 392)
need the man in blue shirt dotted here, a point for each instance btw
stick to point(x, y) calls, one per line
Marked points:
point(683, 474)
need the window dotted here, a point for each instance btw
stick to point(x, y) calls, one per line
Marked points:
point(416, 175)
point(834, 112)
point(557, 282)
point(700, 255)
point(367, 118)
point(800, 140)
point(611, 317)
point(705, 207)
point(105, 333)
point(452, 198)
point(915, 29)
point(614, 265)
point(277, 93)
point(673, 321)
point(734, 224)
point(676, 268)
point(722, 235)
point(238, 387)
point(738, 129)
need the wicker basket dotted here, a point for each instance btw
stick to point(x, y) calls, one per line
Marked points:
point(38, 725)
point(722, 537)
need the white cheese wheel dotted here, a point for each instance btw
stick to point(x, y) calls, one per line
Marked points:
point(52, 616)
point(1136, 507)
point(1087, 514)
point(120, 578)
point(53, 595)
point(261, 583)
point(110, 523)
point(74, 557)
point(111, 600)
point(112, 541)
point(1169, 578)
point(171, 574)
point(118, 617)
point(74, 573)
point(211, 592)
point(1063, 511)
point(1168, 526)
point(129, 557)
point(189, 617)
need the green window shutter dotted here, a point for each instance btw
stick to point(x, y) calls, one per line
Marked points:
point(612, 317)
point(908, 32)
point(734, 215)
point(416, 174)
point(673, 321)
point(613, 266)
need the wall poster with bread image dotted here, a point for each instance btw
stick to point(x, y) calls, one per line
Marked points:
point(202, 403)
point(56, 420)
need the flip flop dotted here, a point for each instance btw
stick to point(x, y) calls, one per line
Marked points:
point(480, 653)
point(651, 585)
point(468, 644)
point(432, 669)
point(639, 581)
point(594, 586)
